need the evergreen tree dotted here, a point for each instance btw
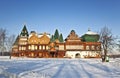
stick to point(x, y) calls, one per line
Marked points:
point(52, 39)
point(24, 31)
point(56, 35)
point(61, 38)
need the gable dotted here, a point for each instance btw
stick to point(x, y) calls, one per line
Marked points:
point(33, 39)
point(44, 39)
point(72, 37)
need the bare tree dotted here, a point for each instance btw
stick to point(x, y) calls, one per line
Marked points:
point(118, 45)
point(9, 43)
point(6, 41)
point(107, 41)
point(2, 40)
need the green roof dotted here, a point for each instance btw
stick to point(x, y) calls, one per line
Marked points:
point(90, 38)
point(72, 31)
point(24, 32)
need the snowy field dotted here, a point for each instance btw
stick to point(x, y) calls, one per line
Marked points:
point(58, 68)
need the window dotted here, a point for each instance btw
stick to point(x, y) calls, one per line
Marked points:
point(98, 47)
point(87, 47)
point(32, 47)
point(43, 47)
point(39, 47)
point(24, 48)
point(47, 47)
point(29, 47)
point(92, 47)
point(35, 47)
point(19, 47)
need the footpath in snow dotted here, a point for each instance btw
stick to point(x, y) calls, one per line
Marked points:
point(58, 68)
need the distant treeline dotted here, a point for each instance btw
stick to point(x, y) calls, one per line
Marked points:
point(4, 53)
point(115, 56)
point(8, 54)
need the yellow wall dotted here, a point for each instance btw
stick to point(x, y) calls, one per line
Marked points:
point(42, 40)
point(33, 39)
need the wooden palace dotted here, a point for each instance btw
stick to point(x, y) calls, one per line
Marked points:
point(44, 45)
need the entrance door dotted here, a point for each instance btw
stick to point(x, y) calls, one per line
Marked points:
point(77, 55)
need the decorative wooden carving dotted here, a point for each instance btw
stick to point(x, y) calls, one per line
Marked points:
point(44, 39)
point(72, 36)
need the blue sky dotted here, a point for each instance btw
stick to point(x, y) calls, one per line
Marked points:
point(64, 15)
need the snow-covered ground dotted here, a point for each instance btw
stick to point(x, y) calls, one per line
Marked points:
point(58, 68)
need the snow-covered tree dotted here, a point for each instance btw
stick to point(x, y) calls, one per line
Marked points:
point(9, 42)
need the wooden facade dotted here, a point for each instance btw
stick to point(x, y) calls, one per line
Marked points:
point(75, 47)
point(40, 46)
